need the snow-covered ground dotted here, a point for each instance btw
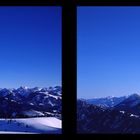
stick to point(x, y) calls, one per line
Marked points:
point(48, 125)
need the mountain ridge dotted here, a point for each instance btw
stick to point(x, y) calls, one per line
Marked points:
point(109, 101)
point(124, 117)
point(26, 102)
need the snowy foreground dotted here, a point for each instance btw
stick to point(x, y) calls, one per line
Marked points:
point(41, 125)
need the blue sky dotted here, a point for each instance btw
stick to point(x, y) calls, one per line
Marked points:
point(30, 46)
point(108, 51)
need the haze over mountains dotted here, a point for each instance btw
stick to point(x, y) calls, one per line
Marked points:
point(109, 115)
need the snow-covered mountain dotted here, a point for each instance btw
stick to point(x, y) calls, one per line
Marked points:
point(106, 101)
point(131, 101)
point(97, 119)
point(131, 104)
point(30, 102)
point(100, 116)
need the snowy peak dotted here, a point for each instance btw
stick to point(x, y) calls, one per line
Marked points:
point(25, 91)
point(134, 96)
point(132, 100)
point(24, 101)
point(4, 92)
point(112, 101)
point(109, 101)
point(24, 87)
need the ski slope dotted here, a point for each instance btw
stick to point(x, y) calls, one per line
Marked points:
point(40, 125)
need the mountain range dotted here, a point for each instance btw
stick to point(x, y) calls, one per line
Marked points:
point(109, 115)
point(30, 102)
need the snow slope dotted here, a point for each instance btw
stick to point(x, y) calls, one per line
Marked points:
point(48, 125)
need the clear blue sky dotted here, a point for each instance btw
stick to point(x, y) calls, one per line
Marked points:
point(108, 51)
point(30, 46)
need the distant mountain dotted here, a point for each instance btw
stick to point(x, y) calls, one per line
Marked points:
point(30, 102)
point(131, 104)
point(96, 119)
point(106, 101)
point(131, 101)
